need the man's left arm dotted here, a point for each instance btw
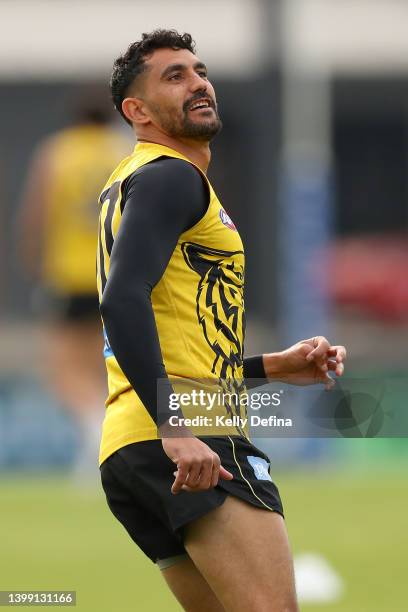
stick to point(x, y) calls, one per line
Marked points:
point(307, 362)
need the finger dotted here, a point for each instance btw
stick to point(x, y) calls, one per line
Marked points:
point(193, 476)
point(332, 365)
point(321, 363)
point(329, 383)
point(225, 474)
point(325, 379)
point(215, 471)
point(185, 487)
point(181, 476)
point(340, 369)
point(322, 345)
point(215, 476)
point(200, 487)
point(335, 366)
point(339, 352)
point(204, 481)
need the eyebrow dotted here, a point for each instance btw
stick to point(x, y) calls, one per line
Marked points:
point(175, 67)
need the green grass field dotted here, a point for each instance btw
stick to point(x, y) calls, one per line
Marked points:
point(55, 538)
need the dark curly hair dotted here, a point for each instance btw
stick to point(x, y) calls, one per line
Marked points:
point(131, 64)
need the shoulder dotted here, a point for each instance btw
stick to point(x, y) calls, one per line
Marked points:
point(171, 187)
point(166, 173)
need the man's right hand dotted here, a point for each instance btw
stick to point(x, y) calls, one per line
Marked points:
point(198, 467)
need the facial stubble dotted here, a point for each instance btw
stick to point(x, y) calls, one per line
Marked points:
point(186, 128)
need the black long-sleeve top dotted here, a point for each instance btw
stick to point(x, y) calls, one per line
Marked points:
point(161, 201)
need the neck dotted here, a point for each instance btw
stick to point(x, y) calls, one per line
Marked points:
point(195, 150)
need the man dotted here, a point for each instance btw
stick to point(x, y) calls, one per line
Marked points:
point(170, 279)
point(58, 219)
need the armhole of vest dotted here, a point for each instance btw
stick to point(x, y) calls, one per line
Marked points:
point(196, 168)
point(210, 198)
point(128, 177)
point(208, 192)
point(206, 185)
point(156, 159)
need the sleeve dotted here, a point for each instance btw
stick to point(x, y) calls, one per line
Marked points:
point(254, 370)
point(162, 200)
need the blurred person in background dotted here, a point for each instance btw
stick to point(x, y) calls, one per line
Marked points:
point(57, 230)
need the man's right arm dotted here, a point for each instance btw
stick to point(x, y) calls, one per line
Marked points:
point(162, 200)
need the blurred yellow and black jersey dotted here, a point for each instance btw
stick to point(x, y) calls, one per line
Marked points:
point(81, 157)
point(198, 304)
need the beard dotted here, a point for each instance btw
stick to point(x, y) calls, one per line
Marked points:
point(204, 130)
point(185, 127)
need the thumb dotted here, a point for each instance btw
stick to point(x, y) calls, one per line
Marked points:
point(328, 382)
point(225, 474)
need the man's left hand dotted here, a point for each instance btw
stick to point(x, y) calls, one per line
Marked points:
point(307, 362)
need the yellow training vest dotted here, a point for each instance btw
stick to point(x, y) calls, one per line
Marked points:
point(198, 304)
point(80, 158)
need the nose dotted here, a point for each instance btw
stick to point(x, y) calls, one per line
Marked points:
point(197, 83)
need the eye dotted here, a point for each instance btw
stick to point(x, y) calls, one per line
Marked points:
point(175, 77)
point(202, 74)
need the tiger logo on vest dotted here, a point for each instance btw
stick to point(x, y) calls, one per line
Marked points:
point(220, 310)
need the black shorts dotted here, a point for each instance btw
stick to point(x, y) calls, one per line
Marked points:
point(76, 307)
point(137, 481)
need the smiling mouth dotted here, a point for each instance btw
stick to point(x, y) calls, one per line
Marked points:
point(203, 104)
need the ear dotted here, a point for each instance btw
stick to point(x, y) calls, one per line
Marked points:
point(133, 109)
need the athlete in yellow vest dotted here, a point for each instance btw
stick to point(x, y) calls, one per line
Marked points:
point(59, 219)
point(170, 262)
point(197, 341)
